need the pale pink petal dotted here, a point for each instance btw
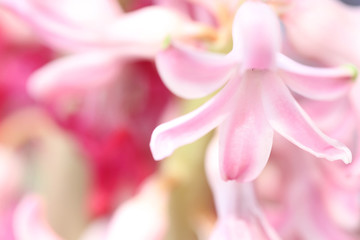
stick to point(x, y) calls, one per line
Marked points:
point(143, 217)
point(56, 33)
point(183, 130)
point(11, 178)
point(235, 202)
point(343, 205)
point(312, 220)
point(192, 73)
point(66, 29)
point(231, 198)
point(290, 120)
point(231, 229)
point(256, 35)
point(246, 136)
point(79, 13)
point(151, 26)
point(316, 83)
point(73, 74)
point(29, 222)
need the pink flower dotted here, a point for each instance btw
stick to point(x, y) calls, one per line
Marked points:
point(239, 214)
point(311, 206)
point(254, 102)
point(20, 56)
point(143, 217)
point(102, 43)
point(310, 20)
point(329, 31)
point(29, 221)
point(113, 125)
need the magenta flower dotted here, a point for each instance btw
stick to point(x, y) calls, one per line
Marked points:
point(255, 100)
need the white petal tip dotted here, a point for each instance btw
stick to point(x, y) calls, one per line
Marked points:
point(345, 155)
point(160, 148)
point(348, 158)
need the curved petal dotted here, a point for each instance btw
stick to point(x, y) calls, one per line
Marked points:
point(290, 120)
point(79, 13)
point(29, 222)
point(142, 217)
point(246, 136)
point(53, 27)
point(76, 73)
point(192, 73)
point(183, 130)
point(234, 201)
point(316, 83)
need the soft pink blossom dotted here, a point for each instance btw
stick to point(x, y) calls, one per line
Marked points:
point(250, 73)
point(239, 214)
point(102, 46)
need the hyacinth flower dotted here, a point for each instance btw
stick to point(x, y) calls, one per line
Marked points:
point(302, 202)
point(239, 214)
point(101, 44)
point(311, 20)
point(342, 48)
point(254, 102)
point(107, 43)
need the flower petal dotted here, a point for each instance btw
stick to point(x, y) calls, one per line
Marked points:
point(77, 73)
point(246, 136)
point(231, 228)
point(59, 27)
point(316, 83)
point(191, 73)
point(290, 120)
point(256, 35)
point(79, 13)
point(130, 30)
point(29, 222)
point(143, 217)
point(234, 200)
point(183, 130)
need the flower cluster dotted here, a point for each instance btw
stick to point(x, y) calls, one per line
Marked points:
point(255, 104)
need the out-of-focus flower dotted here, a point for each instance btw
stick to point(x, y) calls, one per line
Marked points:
point(115, 137)
point(11, 178)
point(306, 204)
point(305, 19)
point(113, 126)
point(266, 103)
point(146, 211)
point(18, 60)
point(115, 39)
point(29, 221)
point(142, 217)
